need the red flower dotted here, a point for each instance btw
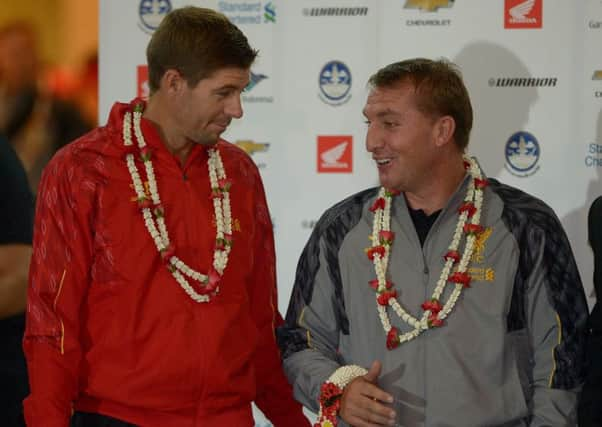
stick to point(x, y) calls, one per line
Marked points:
point(159, 211)
point(374, 284)
point(329, 393)
point(330, 403)
point(378, 204)
point(380, 250)
point(144, 203)
point(224, 184)
point(469, 208)
point(228, 238)
point(472, 229)
point(434, 321)
point(392, 338)
point(167, 253)
point(392, 193)
point(433, 305)
point(466, 165)
point(386, 237)
point(211, 282)
point(383, 299)
point(146, 153)
point(455, 255)
point(481, 183)
point(462, 278)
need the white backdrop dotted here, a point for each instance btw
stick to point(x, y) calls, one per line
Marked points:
point(533, 69)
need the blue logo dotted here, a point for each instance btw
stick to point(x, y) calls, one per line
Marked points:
point(335, 83)
point(255, 78)
point(152, 13)
point(522, 154)
point(269, 14)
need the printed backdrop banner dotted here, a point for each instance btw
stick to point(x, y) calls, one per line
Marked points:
point(533, 69)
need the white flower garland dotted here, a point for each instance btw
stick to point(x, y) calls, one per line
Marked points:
point(430, 317)
point(152, 212)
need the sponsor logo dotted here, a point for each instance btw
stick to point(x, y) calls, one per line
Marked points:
point(251, 148)
point(428, 5)
point(151, 13)
point(335, 83)
point(269, 13)
point(597, 76)
point(335, 11)
point(248, 13)
point(253, 82)
point(142, 87)
point(523, 14)
point(481, 274)
point(593, 158)
point(335, 154)
point(594, 25)
point(255, 78)
point(523, 81)
point(522, 154)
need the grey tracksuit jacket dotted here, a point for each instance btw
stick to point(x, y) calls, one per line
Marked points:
point(509, 354)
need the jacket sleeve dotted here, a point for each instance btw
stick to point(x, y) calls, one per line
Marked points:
point(556, 314)
point(274, 395)
point(59, 275)
point(310, 337)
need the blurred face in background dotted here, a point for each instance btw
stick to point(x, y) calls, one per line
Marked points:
point(18, 59)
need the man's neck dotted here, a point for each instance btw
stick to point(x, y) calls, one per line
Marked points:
point(443, 183)
point(175, 142)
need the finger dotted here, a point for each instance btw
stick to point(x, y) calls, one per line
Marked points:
point(374, 372)
point(373, 392)
point(374, 413)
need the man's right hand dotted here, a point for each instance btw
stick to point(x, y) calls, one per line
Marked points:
point(363, 402)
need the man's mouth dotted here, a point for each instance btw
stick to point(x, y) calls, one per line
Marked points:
point(382, 162)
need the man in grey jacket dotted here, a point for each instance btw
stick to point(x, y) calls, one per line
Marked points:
point(442, 298)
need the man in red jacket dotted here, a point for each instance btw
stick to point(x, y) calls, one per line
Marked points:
point(152, 286)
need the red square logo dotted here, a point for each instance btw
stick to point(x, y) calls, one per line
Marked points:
point(142, 89)
point(523, 13)
point(335, 154)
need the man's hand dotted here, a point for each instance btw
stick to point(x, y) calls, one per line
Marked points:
point(362, 401)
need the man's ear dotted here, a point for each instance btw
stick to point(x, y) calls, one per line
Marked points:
point(444, 129)
point(172, 81)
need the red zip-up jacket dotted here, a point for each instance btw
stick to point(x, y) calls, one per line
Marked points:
point(109, 330)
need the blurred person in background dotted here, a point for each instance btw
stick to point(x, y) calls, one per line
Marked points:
point(16, 218)
point(35, 121)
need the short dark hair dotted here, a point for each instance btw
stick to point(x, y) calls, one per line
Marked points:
point(439, 88)
point(196, 42)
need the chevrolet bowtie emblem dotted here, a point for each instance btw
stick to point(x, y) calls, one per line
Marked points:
point(428, 5)
point(252, 147)
point(597, 75)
